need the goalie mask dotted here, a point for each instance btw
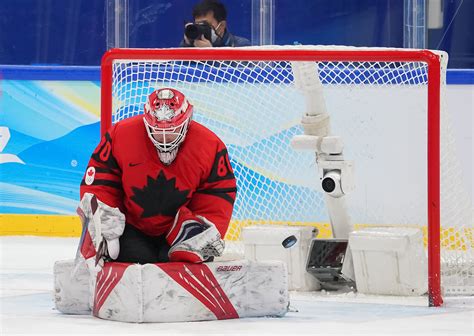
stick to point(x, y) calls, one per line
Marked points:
point(167, 118)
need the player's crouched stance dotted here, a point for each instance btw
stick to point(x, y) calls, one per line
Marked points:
point(153, 222)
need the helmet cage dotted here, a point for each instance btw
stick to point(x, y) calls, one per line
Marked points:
point(160, 135)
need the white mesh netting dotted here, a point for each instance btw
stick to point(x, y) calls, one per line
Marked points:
point(378, 108)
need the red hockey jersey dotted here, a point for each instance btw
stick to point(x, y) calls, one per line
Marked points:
point(126, 172)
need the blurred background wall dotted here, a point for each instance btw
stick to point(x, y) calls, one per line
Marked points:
point(77, 32)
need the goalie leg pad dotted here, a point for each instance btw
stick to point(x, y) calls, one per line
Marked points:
point(71, 287)
point(181, 292)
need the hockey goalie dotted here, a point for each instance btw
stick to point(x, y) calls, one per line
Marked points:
point(156, 201)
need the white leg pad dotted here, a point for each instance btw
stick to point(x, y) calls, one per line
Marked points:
point(71, 288)
point(178, 292)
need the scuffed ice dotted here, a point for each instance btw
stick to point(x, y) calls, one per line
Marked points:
point(26, 306)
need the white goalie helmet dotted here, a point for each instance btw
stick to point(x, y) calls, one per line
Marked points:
point(167, 117)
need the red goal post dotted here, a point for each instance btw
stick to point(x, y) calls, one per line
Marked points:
point(356, 56)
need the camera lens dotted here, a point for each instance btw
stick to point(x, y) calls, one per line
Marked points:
point(192, 31)
point(328, 184)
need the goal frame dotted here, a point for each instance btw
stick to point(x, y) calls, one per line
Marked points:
point(431, 59)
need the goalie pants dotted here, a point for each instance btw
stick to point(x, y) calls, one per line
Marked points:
point(137, 247)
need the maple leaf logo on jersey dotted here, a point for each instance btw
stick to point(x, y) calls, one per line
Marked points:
point(159, 196)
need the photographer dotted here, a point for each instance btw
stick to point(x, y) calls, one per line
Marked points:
point(210, 28)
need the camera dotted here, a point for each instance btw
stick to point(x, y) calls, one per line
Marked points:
point(331, 183)
point(194, 31)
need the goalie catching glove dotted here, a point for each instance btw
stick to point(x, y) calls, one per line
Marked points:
point(193, 238)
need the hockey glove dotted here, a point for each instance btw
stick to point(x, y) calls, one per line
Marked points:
point(105, 226)
point(193, 238)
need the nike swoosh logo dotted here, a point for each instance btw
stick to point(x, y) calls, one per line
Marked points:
point(134, 164)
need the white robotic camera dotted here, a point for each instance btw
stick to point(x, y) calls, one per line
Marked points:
point(331, 183)
point(327, 258)
point(337, 175)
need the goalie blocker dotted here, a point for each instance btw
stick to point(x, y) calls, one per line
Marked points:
point(175, 292)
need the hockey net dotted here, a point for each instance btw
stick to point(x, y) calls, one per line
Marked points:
point(382, 102)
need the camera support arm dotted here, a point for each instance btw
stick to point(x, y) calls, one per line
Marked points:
point(336, 176)
point(336, 173)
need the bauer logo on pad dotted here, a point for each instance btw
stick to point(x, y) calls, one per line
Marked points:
point(228, 268)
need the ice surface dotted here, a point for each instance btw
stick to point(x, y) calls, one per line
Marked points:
point(26, 306)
